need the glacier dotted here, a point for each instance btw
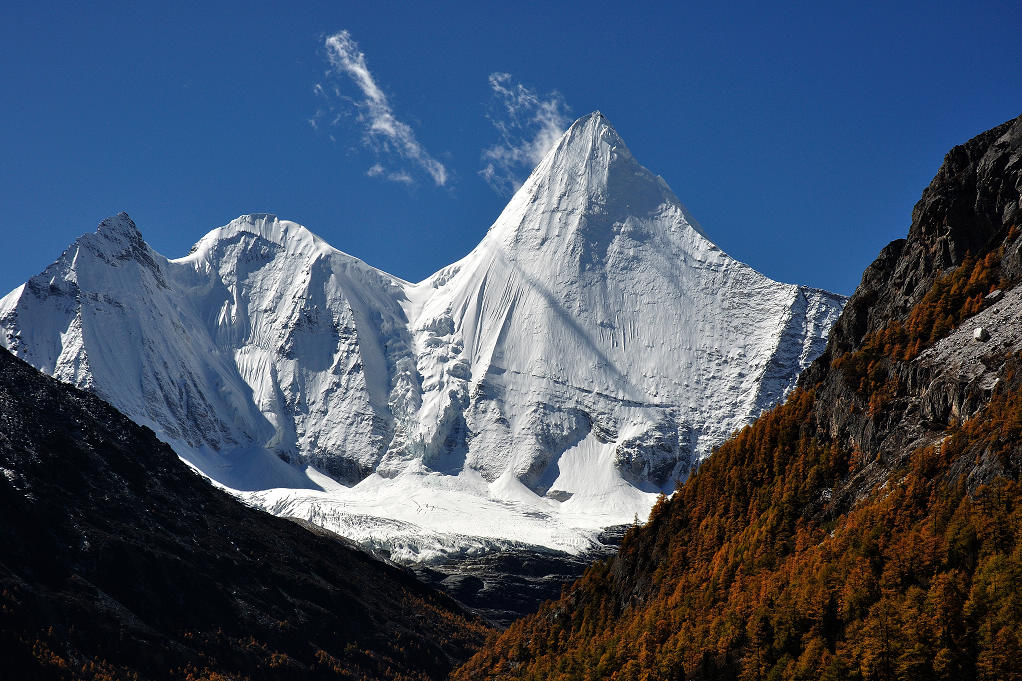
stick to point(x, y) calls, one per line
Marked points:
point(589, 351)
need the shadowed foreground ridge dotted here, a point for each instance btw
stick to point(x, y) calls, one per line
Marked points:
point(117, 561)
point(868, 527)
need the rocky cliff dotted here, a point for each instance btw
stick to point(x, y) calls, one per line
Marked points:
point(902, 364)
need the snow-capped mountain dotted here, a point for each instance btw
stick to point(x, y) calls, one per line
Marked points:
point(592, 347)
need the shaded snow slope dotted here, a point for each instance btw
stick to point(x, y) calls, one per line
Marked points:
point(582, 357)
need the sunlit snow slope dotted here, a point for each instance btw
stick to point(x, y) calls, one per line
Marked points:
point(591, 348)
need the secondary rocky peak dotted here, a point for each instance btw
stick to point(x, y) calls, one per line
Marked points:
point(118, 225)
point(118, 231)
point(116, 242)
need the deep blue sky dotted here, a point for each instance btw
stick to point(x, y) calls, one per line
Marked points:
point(799, 136)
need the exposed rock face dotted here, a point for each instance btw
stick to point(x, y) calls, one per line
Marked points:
point(970, 208)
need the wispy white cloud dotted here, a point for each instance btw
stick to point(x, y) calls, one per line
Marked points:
point(382, 132)
point(399, 176)
point(528, 124)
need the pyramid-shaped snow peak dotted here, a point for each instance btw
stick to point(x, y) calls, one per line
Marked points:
point(582, 357)
point(587, 183)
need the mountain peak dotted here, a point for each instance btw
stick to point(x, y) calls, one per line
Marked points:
point(118, 226)
point(586, 188)
point(594, 117)
point(272, 228)
point(266, 228)
point(578, 168)
point(586, 133)
point(117, 237)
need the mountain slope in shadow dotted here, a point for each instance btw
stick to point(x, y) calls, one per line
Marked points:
point(118, 561)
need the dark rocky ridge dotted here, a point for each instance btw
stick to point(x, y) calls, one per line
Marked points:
point(970, 209)
point(115, 558)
